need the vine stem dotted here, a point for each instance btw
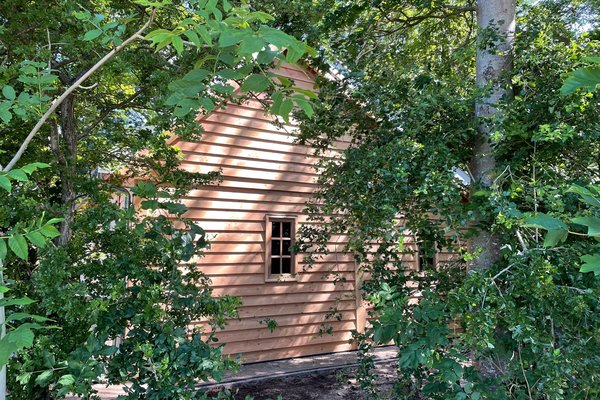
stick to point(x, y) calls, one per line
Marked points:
point(137, 35)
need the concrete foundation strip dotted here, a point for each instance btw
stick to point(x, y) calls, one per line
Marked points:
point(233, 382)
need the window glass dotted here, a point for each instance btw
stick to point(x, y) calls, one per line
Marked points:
point(275, 265)
point(286, 265)
point(275, 246)
point(286, 247)
point(287, 229)
point(275, 229)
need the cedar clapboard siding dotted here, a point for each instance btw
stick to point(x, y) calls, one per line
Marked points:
point(265, 172)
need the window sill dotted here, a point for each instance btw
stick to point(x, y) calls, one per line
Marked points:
point(284, 278)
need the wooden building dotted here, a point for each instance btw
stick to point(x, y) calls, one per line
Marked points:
point(252, 217)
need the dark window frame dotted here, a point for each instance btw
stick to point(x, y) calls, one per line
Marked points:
point(276, 273)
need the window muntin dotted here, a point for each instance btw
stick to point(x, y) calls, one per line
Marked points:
point(280, 258)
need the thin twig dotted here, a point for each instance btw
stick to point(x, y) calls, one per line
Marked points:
point(49, 50)
point(535, 200)
point(576, 289)
point(73, 87)
point(501, 272)
point(524, 374)
point(521, 241)
point(88, 87)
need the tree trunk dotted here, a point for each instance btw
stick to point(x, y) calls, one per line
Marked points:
point(63, 141)
point(496, 19)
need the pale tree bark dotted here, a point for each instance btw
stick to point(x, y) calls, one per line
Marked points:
point(495, 19)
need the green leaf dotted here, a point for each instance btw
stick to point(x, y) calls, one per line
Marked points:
point(255, 83)
point(3, 249)
point(91, 35)
point(18, 245)
point(251, 44)
point(308, 93)
point(229, 73)
point(149, 204)
point(591, 263)
point(266, 56)
point(19, 316)
point(586, 195)
point(279, 39)
point(178, 44)
point(5, 115)
point(193, 37)
point(30, 168)
point(555, 236)
point(204, 35)
point(37, 239)
point(544, 221)
point(158, 35)
point(49, 231)
point(184, 107)
point(191, 83)
point(593, 224)
point(24, 301)
point(167, 41)
point(9, 92)
point(196, 75)
point(579, 190)
point(175, 208)
point(18, 175)
point(305, 105)
point(7, 348)
point(231, 37)
point(293, 54)
point(5, 183)
point(277, 98)
point(286, 108)
point(66, 380)
point(285, 82)
point(261, 16)
point(44, 377)
point(582, 78)
point(206, 103)
point(24, 378)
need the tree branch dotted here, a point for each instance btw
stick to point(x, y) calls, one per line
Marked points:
point(107, 111)
point(409, 21)
point(73, 87)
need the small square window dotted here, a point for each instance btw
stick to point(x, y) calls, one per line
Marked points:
point(279, 257)
point(426, 261)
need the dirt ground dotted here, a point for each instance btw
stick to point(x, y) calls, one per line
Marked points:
point(329, 385)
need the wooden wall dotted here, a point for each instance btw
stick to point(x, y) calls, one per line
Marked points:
point(264, 172)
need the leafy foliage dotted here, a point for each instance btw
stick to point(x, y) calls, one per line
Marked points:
point(557, 230)
point(122, 287)
point(404, 92)
point(126, 305)
point(15, 241)
point(582, 78)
